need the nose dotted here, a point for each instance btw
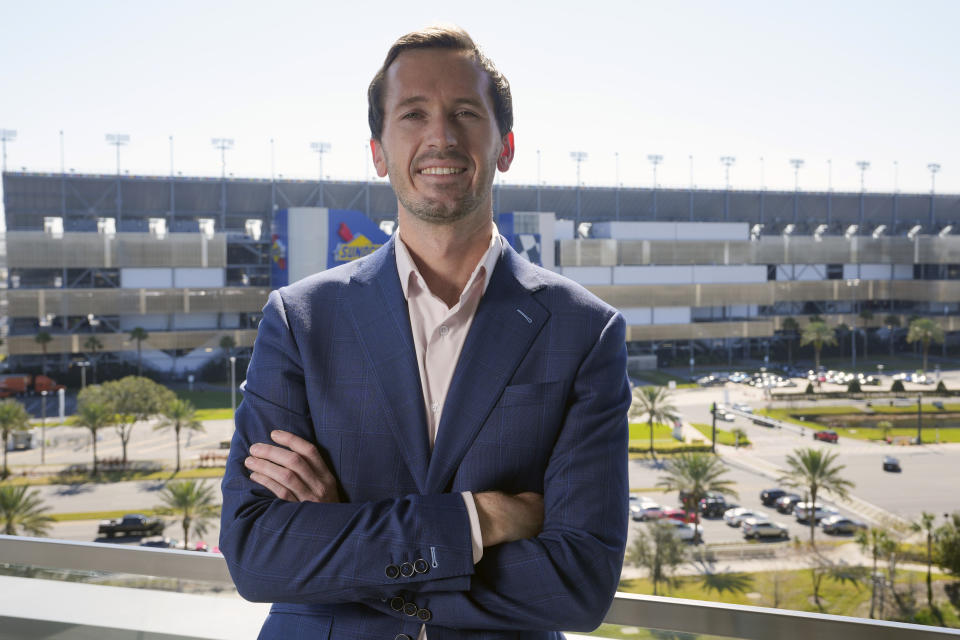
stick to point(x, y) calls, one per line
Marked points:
point(442, 134)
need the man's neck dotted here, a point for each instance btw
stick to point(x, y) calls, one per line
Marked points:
point(446, 255)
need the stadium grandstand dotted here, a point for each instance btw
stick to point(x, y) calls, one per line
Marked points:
point(704, 274)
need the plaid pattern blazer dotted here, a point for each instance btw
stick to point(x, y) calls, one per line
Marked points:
point(538, 402)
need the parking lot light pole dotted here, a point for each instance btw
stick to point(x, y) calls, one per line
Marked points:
point(233, 388)
point(919, 419)
point(43, 428)
point(713, 440)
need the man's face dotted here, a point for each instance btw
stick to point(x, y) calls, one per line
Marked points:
point(440, 143)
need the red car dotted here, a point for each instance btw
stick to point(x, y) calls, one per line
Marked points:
point(825, 436)
point(678, 514)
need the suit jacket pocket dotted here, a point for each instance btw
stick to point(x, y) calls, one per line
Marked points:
point(516, 395)
point(295, 626)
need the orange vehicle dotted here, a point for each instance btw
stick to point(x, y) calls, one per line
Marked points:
point(18, 384)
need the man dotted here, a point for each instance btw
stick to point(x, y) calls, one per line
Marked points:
point(448, 420)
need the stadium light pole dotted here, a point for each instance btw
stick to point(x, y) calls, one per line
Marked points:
point(690, 190)
point(118, 140)
point(579, 157)
point(223, 144)
point(320, 148)
point(829, 191)
point(727, 162)
point(655, 159)
point(7, 135)
point(796, 163)
point(538, 179)
point(63, 180)
point(173, 200)
point(763, 186)
point(616, 157)
point(863, 166)
point(934, 168)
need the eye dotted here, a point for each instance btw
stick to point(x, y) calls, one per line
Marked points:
point(411, 115)
point(465, 113)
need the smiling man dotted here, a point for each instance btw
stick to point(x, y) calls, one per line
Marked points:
point(432, 441)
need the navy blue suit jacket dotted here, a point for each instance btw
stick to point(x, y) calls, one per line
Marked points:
point(537, 402)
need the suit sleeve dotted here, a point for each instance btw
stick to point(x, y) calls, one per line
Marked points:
point(281, 551)
point(566, 577)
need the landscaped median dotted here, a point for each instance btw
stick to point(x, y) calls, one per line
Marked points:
point(663, 440)
point(878, 422)
point(723, 436)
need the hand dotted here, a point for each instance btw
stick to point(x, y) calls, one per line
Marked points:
point(505, 518)
point(296, 473)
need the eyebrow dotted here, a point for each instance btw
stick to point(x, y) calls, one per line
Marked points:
point(412, 100)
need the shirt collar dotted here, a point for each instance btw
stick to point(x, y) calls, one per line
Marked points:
point(407, 269)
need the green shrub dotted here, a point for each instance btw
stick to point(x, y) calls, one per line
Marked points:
point(897, 385)
point(941, 388)
point(853, 386)
point(810, 388)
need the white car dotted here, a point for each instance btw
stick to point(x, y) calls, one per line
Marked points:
point(804, 510)
point(642, 509)
point(740, 406)
point(754, 528)
point(683, 530)
point(734, 517)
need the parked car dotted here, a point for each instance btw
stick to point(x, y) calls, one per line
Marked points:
point(159, 542)
point(826, 435)
point(726, 416)
point(754, 528)
point(683, 530)
point(769, 496)
point(803, 511)
point(841, 524)
point(740, 406)
point(785, 503)
point(132, 524)
point(715, 506)
point(643, 511)
point(734, 517)
point(891, 464)
point(679, 515)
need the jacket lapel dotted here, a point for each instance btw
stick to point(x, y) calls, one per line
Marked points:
point(379, 313)
point(507, 320)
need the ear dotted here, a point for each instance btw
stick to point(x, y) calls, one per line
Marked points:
point(506, 154)
point(379, 160)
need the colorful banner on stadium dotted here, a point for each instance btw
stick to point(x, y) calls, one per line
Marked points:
point(279, 242)
point(351, 235)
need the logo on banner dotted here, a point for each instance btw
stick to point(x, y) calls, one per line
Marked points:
point(352, 246)
point(278, 252)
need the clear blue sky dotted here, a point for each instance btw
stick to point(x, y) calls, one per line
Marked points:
point(817, 80)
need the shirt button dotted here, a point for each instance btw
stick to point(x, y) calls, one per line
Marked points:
point(435, 407)
point(444, 330)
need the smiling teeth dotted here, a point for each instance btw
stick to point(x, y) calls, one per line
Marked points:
point(441, 171)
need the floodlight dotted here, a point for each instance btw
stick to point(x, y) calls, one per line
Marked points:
point(583, 229)
point(851, 231)
point(914, 231)
point(819, 231)
point(158, 227)
point(53, 227)
point(879, 231)
point(207, 227)
point(107, 226)
point(388, 226)
point(755, 232)
point(945, 231)
point(790, 228)
point(254, 228)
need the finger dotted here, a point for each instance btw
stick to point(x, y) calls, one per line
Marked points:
point(306, 449)
point(285, 458)
point(281, 476)
point(274, 487)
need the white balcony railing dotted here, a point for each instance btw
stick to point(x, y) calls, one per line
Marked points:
point(36, 608)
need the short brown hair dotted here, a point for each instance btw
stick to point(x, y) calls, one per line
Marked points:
point(440, 37)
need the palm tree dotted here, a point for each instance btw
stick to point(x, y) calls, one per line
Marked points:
point(878, 543)
point(789, 327)
point(653, 402)
point(891, 321)
point(43, 338)
point(13, 417)
point(925, 331)
point(139, 334)
point(694, 474)
point(23, 511)
point(925, 525)
point(94, 416)
point(660, 553)
point(93, 344)
point(194, 501)
point(812, 470)
point(818, 334)
point(866, 315)
point(180, 414)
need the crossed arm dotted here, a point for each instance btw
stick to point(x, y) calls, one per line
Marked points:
point(294, 471)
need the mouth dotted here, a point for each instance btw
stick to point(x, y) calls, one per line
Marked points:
point(441, 171)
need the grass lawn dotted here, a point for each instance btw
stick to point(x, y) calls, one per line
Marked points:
point(930, 433)
point(113, 476)
point(662, 378)
point(723, 437)
point(783, 589)
point(640, 434)
point(209, 399)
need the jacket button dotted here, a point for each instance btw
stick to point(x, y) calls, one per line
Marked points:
point(406, 569)
point(424, 615)
point(420, 565)
point(410, 609)
point(396, 603)
point(392, 571)
point(402, 636)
